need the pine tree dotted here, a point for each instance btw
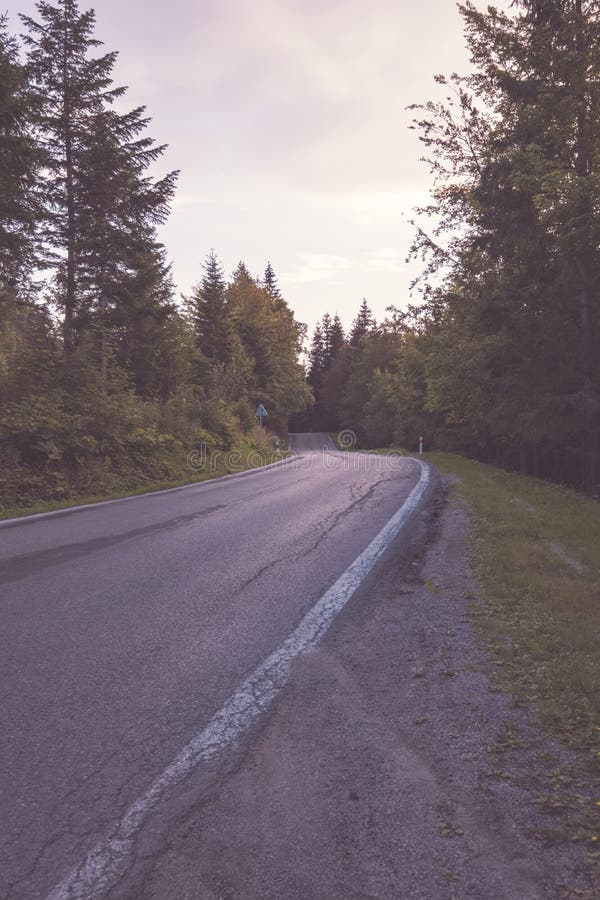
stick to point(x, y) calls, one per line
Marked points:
point(242, 272)
point(101, 206)
point(362, 325)
point(137, 320)
point(515, 249)
point(326, 324)
point(19, 168)
point(212, 320)
point(71, 88)
point(337, 338)
point(270, 283)
point(124, 281)
point(316, 358)
point(269, 340)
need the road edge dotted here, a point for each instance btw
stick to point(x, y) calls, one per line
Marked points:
point(106, 863)
point(70, 510)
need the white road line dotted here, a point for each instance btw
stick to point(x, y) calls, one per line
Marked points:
point(109, 859)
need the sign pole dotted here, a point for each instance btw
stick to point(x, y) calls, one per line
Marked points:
point(260, 414)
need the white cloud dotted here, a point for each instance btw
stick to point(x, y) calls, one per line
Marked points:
point(322, 268)
point(385, 259)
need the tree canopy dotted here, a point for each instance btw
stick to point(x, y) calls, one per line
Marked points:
point(499, 359)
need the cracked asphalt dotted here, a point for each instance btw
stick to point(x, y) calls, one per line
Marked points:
point(390, 768)
point(127, 625)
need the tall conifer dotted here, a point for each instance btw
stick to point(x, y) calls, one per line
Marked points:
point(212, 320)
point(20, 161)
point(514, 255)
point(362, 325)
point(101, 206)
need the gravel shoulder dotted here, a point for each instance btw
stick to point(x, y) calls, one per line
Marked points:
point(389, 768)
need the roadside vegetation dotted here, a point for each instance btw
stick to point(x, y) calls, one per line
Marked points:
point(536, 557)
point(497, 367)
point(499, 359)
point(534, 552)
point(256, 448)
point(107, 384)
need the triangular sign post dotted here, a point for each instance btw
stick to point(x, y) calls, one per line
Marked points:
point(260, 412)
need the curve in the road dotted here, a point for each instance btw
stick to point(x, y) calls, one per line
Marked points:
point(313, 442)
point(107, 861)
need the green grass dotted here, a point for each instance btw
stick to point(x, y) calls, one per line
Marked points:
point(535, 554)
point(10, 512)
point(535, 551)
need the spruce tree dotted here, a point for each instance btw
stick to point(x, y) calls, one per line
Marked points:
point(326, 324)
point(362, 325)
point(514, 255)
point(18, 170)
point(316, 358)
point(101, 206)
point(125, 285)
point(71, 89)
point(211, 315)
point(270, 283)
point(266, 341)
point(242, 272)
point(337, 338)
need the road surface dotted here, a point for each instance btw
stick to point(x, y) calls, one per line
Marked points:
point(128, 626)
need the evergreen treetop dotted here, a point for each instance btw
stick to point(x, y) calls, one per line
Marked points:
point(212, 320)
point(100, 205)
point(19, 169)
point(362, 325)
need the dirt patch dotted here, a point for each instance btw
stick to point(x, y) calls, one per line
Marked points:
point(389, 768)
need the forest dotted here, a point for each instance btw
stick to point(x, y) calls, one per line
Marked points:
point(108, 381)
point(499, 358)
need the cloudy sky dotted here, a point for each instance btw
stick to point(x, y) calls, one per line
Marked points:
point(287, 119)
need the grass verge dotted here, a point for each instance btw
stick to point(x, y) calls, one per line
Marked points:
point(535, 554)
point(536, 557)
point(136, 489)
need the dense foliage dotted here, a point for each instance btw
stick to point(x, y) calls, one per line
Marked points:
point(104, 382)
point(501, 358)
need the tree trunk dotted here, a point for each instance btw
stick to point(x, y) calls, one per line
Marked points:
point(582, 166)
point(522, 458)
point(70, 199)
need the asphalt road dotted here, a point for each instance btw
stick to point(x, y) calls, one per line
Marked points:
point(126, 626)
